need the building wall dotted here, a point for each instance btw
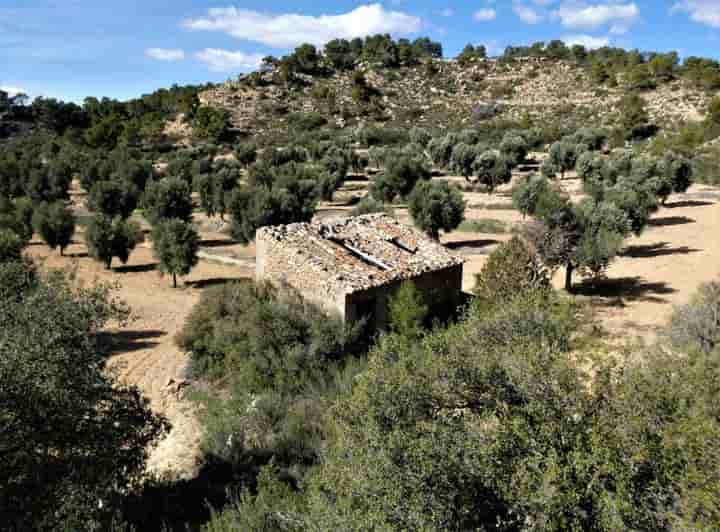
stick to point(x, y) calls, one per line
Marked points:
point(441, 289)
point(281, 266)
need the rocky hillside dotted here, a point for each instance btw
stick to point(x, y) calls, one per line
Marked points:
point(445, 94)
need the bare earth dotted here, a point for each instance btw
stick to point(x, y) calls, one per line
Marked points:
point(146, 354)
point(661, 268)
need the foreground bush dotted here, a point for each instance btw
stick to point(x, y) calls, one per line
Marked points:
point(265, 338)
point(73, 441)
point(513, 268)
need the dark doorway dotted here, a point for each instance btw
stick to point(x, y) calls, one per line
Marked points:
point(366, 310)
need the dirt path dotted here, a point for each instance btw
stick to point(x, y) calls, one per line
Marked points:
point(144, 353)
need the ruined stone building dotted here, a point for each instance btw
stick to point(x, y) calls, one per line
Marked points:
point(350, 266)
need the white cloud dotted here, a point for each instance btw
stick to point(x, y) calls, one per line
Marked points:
point(588, 41)
point(580, 15)
point(527, 14)
point(165, 54)
point(226, 61)
point(485, 14)
point(293, 29)
point(12, 91)
point(703, 11)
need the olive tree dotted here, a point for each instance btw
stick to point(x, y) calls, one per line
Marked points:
point(514, 148)
point(399, 178)
point(55, 224)
point(113, 198)
point(435, 206)
point(463, 159)
point(527, 193)
point(563, 156)
point(492, 170)
point(170, 197)
point(107, 238)
point(291, 198)
point(175, 245)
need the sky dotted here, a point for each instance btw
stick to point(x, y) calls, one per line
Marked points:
point(70, 49)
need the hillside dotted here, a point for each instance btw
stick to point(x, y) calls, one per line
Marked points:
point(443, 94)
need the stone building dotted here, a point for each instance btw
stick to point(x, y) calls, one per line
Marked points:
point(350, 266)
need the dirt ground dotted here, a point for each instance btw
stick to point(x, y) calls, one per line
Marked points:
point(144, 353)
point(661, 268)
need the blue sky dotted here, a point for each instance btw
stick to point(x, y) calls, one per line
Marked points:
point(123, 48)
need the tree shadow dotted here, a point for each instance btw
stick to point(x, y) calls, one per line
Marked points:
point(688, 203)
point(125, 341)
point(77, 255)
point(182, 505)
point(215, 281)
point(217, 243)
point(668, 221)
point(660, 249)
point(471, 244)
point(628, 288)
point(136, 268)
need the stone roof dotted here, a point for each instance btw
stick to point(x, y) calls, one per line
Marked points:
point(347, 255)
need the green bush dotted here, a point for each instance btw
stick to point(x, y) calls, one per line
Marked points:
point(369, 205)
point(696, 326)
point(514, 268)
point(11, 246)
point(268, 339)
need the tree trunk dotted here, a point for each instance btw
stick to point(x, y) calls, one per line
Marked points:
point(568, 277)
point(108, 264)
point(61, 252)
point(174, 281)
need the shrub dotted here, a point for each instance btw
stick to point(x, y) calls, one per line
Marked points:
point(306, 121)
point(369, 205)
point(696, 326)
point(266, 338)
point(79, 440)
point(11, 246)
point(514, 268)
point(407, 311)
